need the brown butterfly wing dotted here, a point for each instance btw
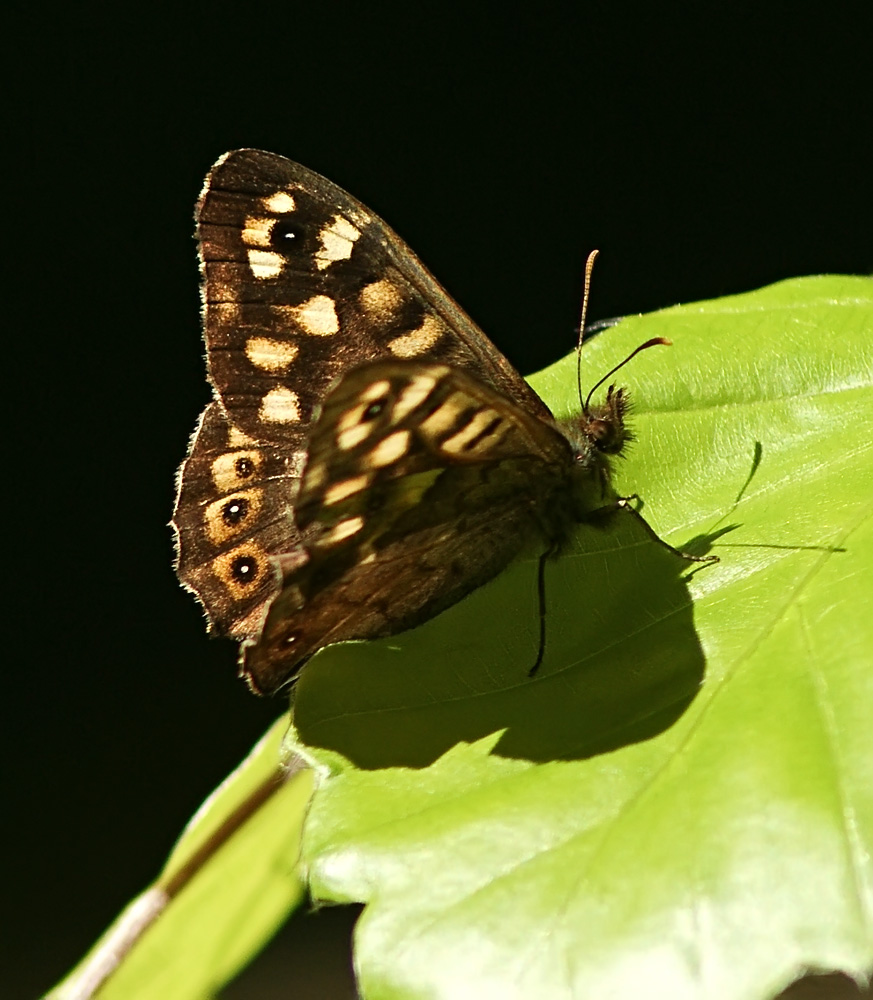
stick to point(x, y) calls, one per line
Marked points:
point(421, 483)
point(301, 283)
point(231, 515)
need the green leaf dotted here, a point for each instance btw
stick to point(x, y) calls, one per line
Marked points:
point(209, 911)
point(681, 801)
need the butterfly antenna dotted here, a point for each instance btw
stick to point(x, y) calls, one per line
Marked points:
point(589, 267)
point(649, 343)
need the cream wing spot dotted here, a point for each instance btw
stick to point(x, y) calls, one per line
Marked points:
point(389, 450)
point(239, 439)
point(281, 203)
point(345, 529)
point(374, 391)
point(265, 264)
point(351, 418)
point(337, 242)
point(353, 436)
point(317, 316)
point(256, 232)
point(446, 416)
point(412, 395)
point(271, 355)
point(419, 340)
point(344, 229)
point(340, 491)
point(280, 406)
point(381, 298)
point(316, 476)
point(484, 425)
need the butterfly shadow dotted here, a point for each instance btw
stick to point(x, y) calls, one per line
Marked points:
point(623, 661)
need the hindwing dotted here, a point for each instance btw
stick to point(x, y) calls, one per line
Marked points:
point(421, 483)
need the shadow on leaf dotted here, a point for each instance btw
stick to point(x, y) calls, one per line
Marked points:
point(623, 661)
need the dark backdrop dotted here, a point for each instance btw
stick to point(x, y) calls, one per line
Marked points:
point(704, 148)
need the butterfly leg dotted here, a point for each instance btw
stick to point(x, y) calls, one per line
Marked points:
point(626, 503)
point(541, 595)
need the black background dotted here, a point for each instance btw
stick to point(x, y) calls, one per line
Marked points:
point(704, 148)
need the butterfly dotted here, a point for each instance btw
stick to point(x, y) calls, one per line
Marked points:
point(370, 457)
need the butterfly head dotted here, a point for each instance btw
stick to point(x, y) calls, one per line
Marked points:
point(597, 435)
point(601, 429)
point(603, 426)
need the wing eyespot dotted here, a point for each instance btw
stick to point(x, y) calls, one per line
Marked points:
point(244, 468)
point(374, 409)
point(286, 236)
point(244, 569)
point(235, 511)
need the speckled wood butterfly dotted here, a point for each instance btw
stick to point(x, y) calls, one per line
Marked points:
point(370, 457)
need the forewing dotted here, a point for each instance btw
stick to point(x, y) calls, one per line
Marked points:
point(301, 282)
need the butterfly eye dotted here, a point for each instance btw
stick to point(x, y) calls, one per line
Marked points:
point(285, 235)
point(244, 569)
point(608, 435)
